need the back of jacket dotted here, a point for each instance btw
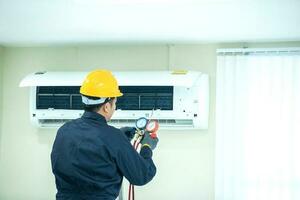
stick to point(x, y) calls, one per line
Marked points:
point(89, 159)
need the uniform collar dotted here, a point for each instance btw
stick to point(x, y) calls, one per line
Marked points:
point(94, 116)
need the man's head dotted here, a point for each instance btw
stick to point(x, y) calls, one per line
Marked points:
point(99, 93)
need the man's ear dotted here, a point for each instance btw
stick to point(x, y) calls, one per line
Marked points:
point(106, 107)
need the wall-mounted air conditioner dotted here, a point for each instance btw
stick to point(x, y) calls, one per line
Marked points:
point(176, 100)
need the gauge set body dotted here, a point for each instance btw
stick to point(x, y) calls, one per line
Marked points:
point(143, 124)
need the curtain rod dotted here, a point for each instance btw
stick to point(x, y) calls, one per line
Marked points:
point(259, 50)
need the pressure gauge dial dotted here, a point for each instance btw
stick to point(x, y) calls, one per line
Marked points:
point(152, 126)
point(141, 123)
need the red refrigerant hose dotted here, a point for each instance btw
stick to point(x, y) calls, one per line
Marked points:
point(136, 143)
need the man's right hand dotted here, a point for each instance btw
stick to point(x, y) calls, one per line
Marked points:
point(149, 141)
point(128, 131)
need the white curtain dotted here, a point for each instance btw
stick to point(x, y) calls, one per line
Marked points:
point(258, 127)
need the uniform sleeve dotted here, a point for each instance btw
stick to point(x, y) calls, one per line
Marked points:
point(138, 169)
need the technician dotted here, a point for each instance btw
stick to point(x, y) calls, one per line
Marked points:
point(89, 158)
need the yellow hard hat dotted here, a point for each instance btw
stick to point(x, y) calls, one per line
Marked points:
point(100, 83)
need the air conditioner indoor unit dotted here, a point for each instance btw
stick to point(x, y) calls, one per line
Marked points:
point(178, 100)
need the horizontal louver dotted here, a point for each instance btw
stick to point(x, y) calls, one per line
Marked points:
point(162, 122)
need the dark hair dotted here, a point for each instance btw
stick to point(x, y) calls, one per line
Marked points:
point(96, 107)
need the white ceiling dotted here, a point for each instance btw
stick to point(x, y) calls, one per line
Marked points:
point(40, 22)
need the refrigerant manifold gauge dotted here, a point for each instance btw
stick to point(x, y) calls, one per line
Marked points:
point(141, 123)
point(152, 126)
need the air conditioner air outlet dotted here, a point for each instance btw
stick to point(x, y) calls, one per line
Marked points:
point(121, 122)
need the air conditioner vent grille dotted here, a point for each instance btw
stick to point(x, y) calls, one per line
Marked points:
point(58, 97)
point(134, 98)
point(146, 98)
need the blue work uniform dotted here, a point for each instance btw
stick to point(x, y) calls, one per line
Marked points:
point(89, 159)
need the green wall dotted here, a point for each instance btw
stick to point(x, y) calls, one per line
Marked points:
point(1, 89)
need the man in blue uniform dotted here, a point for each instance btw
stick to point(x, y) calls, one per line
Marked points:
point(89, 158)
